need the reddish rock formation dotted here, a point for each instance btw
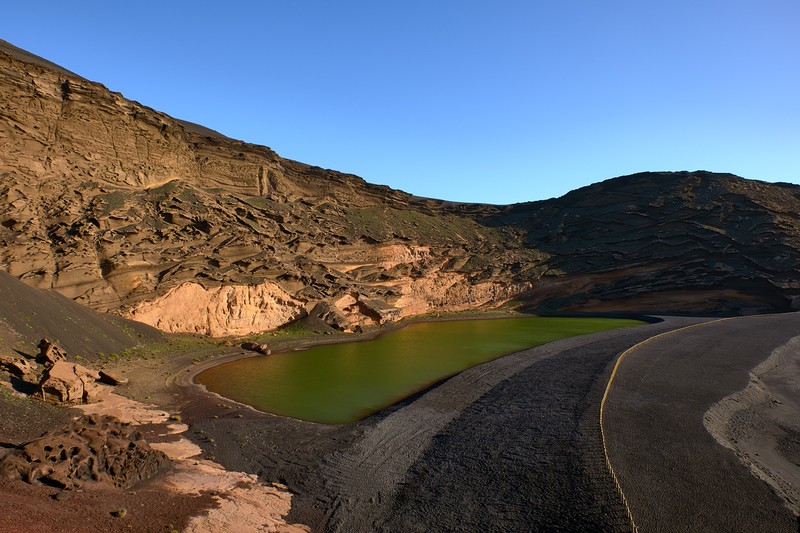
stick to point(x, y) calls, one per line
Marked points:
point(49, 353)
point(68, 382)
point(20, 367)
point(94, 451)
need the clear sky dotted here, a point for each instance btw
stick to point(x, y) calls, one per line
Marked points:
point(497, 102)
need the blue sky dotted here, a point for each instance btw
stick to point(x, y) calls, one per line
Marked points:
point(496, 102)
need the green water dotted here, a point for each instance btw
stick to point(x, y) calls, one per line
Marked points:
point(339, 383)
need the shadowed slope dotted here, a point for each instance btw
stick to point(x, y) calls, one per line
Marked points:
point(677, 241)
point(28, 314)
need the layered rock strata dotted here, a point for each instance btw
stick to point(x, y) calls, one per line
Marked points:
point(128, 210)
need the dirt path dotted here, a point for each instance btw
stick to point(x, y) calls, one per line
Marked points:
point(674, 473)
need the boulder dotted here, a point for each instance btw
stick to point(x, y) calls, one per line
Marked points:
point(49, 353)
point(111, 378)
point(330, 315)
point(93, 452)
point(22, 368)
point(69, 383)
point(256, 347)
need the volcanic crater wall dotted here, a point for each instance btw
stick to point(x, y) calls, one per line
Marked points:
point(128, 210)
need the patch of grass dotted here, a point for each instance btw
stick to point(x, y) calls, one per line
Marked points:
point(112, 201)
point(154, 350)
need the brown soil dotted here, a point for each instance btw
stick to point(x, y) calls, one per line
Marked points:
point(29, 509)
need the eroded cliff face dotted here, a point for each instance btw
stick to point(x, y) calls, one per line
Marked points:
point(128, 210)
point(231, 310)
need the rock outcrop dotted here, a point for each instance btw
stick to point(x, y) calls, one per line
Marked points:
point(49, 353)
point(93, 452)
point(128, 210)
point(20, 367)
point(224, 311)
point(257, 347)
point(66, 382)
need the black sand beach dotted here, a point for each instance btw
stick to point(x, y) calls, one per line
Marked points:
point(512, 445)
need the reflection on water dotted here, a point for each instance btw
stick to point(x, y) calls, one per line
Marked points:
point(340, 383)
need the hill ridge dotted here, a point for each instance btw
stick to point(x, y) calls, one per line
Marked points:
point(128, 210)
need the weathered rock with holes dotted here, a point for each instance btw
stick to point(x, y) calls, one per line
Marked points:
point(93, 452)
point(20, 367)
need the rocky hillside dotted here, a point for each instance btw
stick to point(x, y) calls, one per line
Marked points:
point(678, 242)
point(128, 210)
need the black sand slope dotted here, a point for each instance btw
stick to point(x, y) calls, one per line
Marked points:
point(28, 314)
point(510, 445)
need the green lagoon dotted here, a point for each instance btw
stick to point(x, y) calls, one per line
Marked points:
point(340, 383)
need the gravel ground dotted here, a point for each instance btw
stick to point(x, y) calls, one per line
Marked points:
point(673, 472)
point(509, 445)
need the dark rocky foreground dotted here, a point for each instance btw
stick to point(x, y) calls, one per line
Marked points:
point(509, 445)
point(92, 451)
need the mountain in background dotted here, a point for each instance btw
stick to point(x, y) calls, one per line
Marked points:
point(130, 211)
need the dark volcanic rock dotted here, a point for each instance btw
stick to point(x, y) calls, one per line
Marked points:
point(670, 241)
point(94, 451)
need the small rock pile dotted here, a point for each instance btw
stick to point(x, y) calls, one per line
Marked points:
point(94, 451)
point(57, 379)
point(69, 383)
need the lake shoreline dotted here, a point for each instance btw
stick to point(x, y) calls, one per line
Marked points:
point(430, 361)
point(311, 459)
point(292, 449)
point(194, 369)
point(185, 376)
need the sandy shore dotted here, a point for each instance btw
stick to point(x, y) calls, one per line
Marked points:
point(761, 423)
